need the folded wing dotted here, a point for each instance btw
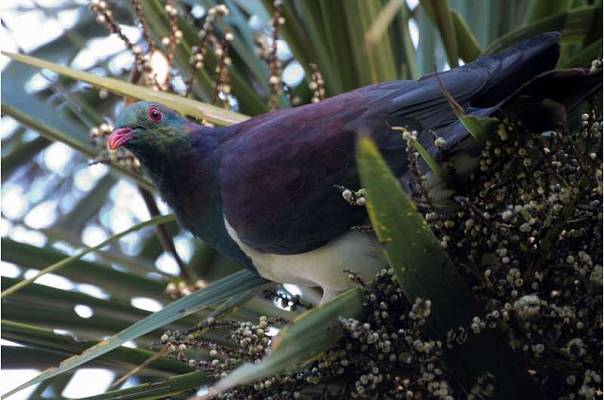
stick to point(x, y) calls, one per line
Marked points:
point(279, 171)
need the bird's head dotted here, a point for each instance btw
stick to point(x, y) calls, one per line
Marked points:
point(147, 127)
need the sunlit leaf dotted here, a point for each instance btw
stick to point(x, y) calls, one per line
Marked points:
point(482, 128)
point(181, 104)
point(380, 24)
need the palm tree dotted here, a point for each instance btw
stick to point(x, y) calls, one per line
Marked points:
point(133, 294)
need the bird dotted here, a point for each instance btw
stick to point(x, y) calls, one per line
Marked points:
point(267, 192)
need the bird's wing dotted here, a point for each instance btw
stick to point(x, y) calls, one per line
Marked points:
point(279, 170)
point(279, 174)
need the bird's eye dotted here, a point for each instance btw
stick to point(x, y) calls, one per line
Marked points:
point(154, 114)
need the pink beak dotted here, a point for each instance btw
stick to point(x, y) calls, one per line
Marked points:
point(119, 137)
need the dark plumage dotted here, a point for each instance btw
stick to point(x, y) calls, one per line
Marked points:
point(272, 178)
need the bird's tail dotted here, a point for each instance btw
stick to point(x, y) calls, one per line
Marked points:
point(522, 82)
point(544, 102)
point(514, 66)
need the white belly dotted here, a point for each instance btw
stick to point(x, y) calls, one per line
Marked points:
point(353, 251)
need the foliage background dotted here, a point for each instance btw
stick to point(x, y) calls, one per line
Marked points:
point(54, 202)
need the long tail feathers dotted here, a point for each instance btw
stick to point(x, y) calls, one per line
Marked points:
point(516, 65)
point(543, 103)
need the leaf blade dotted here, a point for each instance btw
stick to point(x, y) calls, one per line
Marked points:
point(469, 49)
point(311, 333)
point(160, 390)
point(185, 106)
point(117, 282)
point(42, 338)
point(424, 270)
point(439, 12)
point(211, 295)
point(577, 22)
point(63, 263)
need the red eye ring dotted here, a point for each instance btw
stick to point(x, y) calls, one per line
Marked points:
point(154, 114)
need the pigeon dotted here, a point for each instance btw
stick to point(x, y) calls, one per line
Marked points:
point(272, 192)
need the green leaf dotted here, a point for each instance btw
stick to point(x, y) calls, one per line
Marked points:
point(428, 159)
point(310, 16)
point(161, 390)
point(211, 295)
point(407, 57)
point(484, 18)
point(120, 284)
point(481, 128)
point(22, 154)
point(309, 335)
point(88, 207)
point(539, 9)
point(56, 385)
point(423, 270)
point(419, 262)
point(110, 315)
point(63, 263)
point(380, 24)
point(63, 49)
point(427, 55)
point(22, 357)
point(582, 59)
point(65, 318)
point(181, 104)
point(134, 265)
point(333, 17)
point(374, 59)
point(439, 12)
point(576, 23)
point(469, 49)
point(33, 303)
point(124, 357)
point(47, 131)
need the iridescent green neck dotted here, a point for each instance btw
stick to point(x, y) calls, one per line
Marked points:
point(158, 158)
